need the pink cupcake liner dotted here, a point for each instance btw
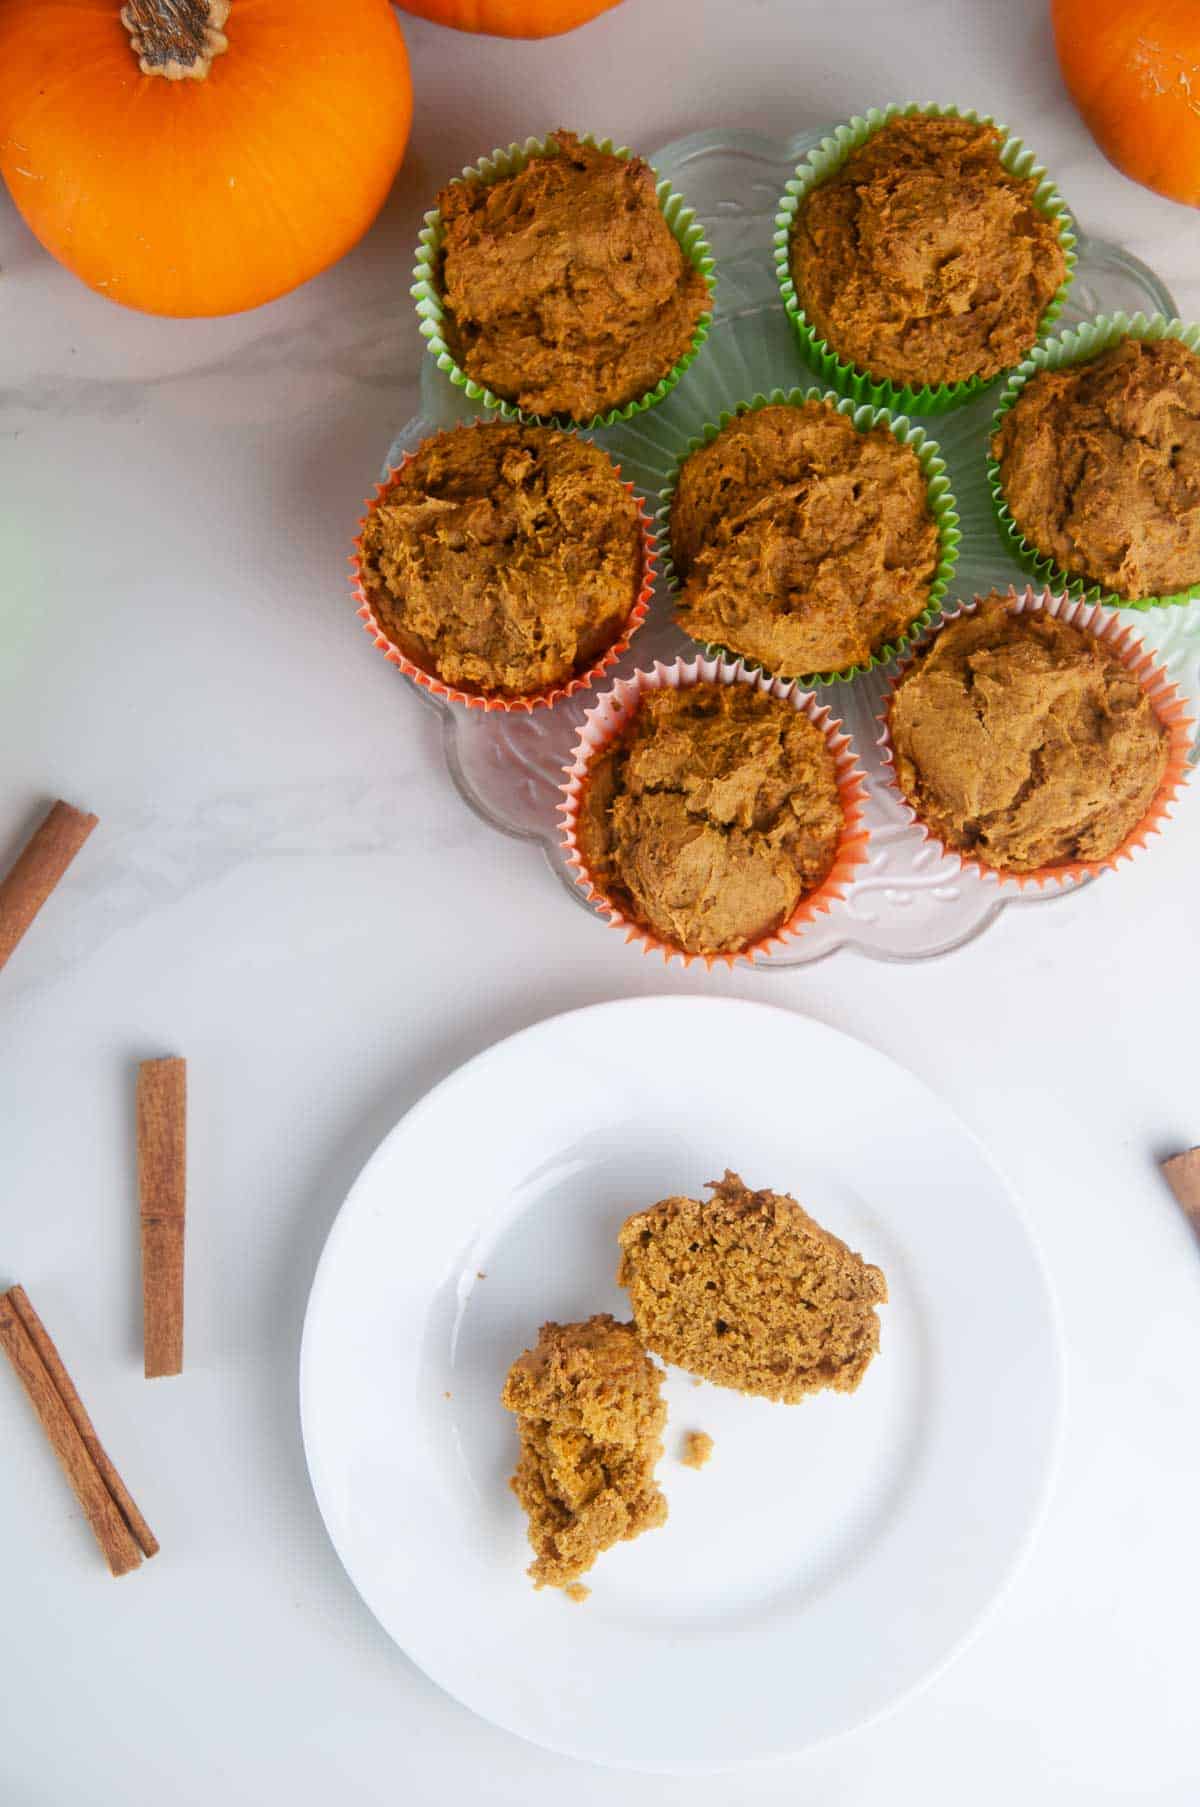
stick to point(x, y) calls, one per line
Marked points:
point(610, 715)
point(1165, 700)
point(540, 699)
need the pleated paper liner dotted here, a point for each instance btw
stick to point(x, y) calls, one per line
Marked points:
point(941, 507)
point(611, 713)
point(1165, 700)
point(684, 229)
point(828, 156)
point(429, 680)
point(1079, 346)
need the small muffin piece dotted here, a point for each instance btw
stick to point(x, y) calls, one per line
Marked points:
point(922, 260)
point(697, 1449)
point(504, 559)
point(590, 1417)
point(1100, 467)
point(564, 288)
point(748, 1291)
point(1024, 742)
point(800, 542)
point(711, 815)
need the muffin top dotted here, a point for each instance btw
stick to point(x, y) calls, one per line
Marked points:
point(563, 286)
point(503, 559)
point(1100, 467)
point(711, 815)
point(1024, 742)
point(922, 259)
point(800, 542)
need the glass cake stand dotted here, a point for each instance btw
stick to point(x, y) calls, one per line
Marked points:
point(907, 902)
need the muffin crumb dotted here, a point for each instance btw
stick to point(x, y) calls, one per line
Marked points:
point(697, 1448)
point(590, 1417)
point(576, 1591)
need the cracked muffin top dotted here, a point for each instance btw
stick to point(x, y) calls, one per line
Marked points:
point(711, 815)
point(503, 559)
point(590, 1417)
point(564, 289)
point(1023, 741)
point(921, 259)
point(800, 542)
point(1100, 467)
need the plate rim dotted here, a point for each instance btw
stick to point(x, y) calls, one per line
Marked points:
point(1043, 1493)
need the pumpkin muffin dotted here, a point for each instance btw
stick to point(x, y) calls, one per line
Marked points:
point(921, 259)
point(800, 542)
point(747, 1290)
point(590, 1417)
point(564, 289)
point(1024, 742)
point(1099, 465)
point(503, 559)
point(711, 815)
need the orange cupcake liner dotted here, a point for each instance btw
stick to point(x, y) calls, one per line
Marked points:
point(609, 716)
point(1165, 700)
point(429, 680)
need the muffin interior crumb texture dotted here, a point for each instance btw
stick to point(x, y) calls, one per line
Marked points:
point(503, 559)
point(1100, 467)
point(747, 1290)
point(1024, 741)
point(800, 542)
point(590, 1418)
point(697, 1448)
point(711, 815)
point(564, 289)
point(921, 259)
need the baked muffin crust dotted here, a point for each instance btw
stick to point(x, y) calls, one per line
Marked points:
point(711, 815)
point(504, 559)
point(800, 542)
point(564, 288)
point(1024, 742)
point(590, 1417)
point(922, 260)
point(1100, 467)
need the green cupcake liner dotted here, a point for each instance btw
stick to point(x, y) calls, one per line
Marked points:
point(1077, 346)
point(821, 163)
point(941, 505)
point(679, 217)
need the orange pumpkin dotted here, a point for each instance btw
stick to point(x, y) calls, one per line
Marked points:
point(509, 18)
point(1133, 69)
point(200, 156)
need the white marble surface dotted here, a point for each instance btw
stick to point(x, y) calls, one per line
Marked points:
point(286, 888)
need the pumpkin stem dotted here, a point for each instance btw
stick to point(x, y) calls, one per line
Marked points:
point(176, 38)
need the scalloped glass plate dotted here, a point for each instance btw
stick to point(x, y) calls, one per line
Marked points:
point(908, 903)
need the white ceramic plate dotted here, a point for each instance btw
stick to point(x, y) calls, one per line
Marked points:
point(833, 1554)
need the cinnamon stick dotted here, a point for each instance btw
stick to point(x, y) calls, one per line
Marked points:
point(38, 868)
point(99, 1507)
point(162, 1164)
point(64, 1386)
point(1182, 1173)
